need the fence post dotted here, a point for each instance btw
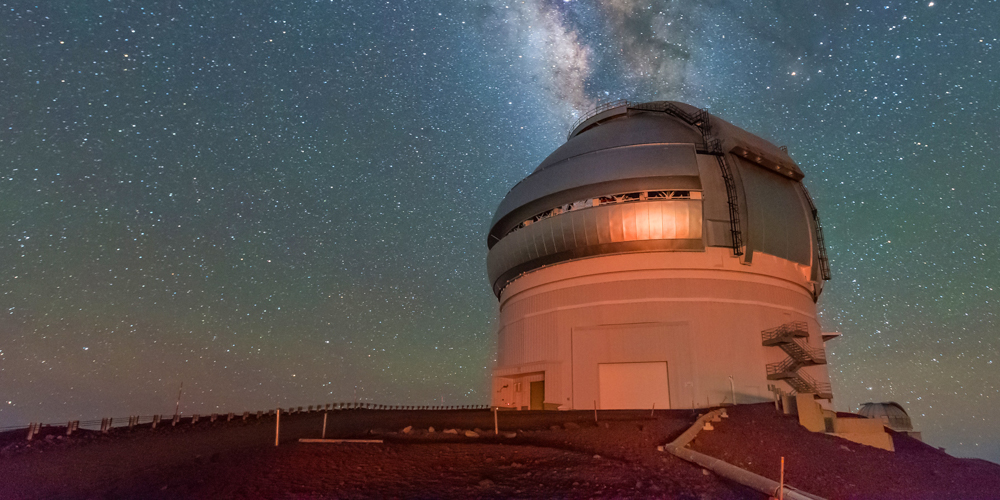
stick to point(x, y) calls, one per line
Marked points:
point(175, 420)
point(194, 419)
point(277, 426)
point(31, 430)
point(69, 428)
point(229, 418)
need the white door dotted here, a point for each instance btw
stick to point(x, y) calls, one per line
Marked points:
point(626, 386)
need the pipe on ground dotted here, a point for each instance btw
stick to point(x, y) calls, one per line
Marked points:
point(727, 470)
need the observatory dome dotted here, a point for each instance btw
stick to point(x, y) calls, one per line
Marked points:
point(656, 151)
point(660, 256)
point(892, 415)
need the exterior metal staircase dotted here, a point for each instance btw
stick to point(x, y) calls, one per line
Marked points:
point(788, 338)
point(824, 261)
point(709, 145)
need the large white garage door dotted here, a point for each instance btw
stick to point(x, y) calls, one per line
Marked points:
point(625, 386)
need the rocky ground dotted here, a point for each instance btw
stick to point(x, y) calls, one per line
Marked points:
point(536, 455)
point(755, 438)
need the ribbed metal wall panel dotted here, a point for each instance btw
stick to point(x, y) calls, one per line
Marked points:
point(620, 222)
point(668, 288)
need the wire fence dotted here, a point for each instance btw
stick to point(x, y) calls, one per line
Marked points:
point(106, 424)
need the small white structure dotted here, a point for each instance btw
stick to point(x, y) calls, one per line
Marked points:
point(656, 254)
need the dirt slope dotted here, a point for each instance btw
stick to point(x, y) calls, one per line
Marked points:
point(554, 455)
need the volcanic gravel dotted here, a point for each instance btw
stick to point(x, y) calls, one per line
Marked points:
point(552, 455)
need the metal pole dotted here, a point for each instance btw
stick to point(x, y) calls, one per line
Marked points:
point(324, 425)
point(496, 424)
point(177, 409)
point(781, 496)
point(595, 411)
point(277, 426)
point(733, 387)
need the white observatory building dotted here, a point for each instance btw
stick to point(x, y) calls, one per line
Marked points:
point(660, 257)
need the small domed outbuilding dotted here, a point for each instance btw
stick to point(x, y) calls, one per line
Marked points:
point(660, 257)
point(892, 415)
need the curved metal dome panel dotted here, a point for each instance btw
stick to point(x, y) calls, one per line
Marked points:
point(777, 221)
point(601, 230)
point(641, 128)
point(620, 169)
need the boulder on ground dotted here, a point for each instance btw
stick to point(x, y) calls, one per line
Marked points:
point(408, 429)
point(451, 431)
point(471, 434)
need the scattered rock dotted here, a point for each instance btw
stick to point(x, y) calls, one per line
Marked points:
point(597, 456)
point(430, 429)
point(705, 472)
point(659, 448)
point(407, 429)
point(571, 425)
point(451, 431)
point(510, 434)
point(638, 484)
point(842, 447)
point(471, 434)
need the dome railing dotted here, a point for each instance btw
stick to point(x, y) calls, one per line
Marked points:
point(600, 108)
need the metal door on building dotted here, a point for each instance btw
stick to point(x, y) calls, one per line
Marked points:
point(625, 386)
point(537, 395)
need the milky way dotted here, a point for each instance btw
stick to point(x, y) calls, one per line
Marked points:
point(286, 204)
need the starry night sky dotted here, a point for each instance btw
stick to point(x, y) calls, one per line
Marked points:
point(286, 203)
